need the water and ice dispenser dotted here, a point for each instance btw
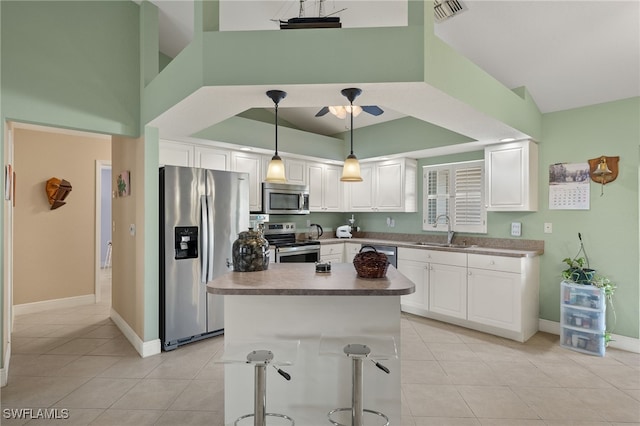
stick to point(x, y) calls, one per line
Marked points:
point(186, 242)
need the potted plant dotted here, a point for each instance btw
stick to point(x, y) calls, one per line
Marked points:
point(576, 270)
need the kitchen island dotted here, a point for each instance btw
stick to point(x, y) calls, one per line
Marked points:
point(305, 317)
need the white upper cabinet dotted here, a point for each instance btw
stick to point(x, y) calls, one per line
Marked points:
point(251, 164)
point(212, 158)
point(295, 170)
point(325, 187)
point(360, 195)
point(512, 176)
point(175, 154)
point(387, 186)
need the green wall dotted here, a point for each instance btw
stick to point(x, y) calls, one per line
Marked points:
point(610, 228)
point(72, 64)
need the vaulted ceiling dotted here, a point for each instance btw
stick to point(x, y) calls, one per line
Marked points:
point(567, 53)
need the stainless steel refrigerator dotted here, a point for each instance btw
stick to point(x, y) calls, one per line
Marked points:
point(201, 213)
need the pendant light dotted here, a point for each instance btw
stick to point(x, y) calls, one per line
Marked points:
point(275, 172)
point(351, 168)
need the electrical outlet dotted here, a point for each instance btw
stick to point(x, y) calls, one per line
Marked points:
point(308, 223)
point(548, 228)
point(516, 229)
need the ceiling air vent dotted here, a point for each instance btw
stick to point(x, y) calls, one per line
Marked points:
point(445, 9)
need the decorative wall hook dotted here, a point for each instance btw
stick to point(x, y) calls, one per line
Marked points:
point(57, 190)
point(603, 170)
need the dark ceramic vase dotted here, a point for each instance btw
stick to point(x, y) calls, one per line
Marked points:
point(250, 252)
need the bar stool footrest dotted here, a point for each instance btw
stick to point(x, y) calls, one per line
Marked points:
point(282, 416)
point(377, 413)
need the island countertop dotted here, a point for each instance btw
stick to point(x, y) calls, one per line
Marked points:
point(300, 279)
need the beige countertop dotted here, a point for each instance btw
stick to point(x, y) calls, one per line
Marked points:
point(471, 248)
point(301, 279)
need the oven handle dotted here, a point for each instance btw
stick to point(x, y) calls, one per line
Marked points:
point(299, 250)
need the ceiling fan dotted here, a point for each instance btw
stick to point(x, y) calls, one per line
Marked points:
point(342, 111)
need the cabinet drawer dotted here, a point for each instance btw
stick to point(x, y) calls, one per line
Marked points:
point(433, 256)
point(412, 254)
point(331, 249)
point(446, 257)
point(495, 263)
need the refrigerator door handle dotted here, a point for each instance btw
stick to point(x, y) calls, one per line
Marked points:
point(204, 237)
point(210, 237)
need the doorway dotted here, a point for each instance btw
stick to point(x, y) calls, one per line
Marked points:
point(55, 238)
point(104, 247)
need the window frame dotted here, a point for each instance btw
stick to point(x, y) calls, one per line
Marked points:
point(447, 198)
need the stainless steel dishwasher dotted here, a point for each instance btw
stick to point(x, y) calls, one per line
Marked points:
point(390, 251)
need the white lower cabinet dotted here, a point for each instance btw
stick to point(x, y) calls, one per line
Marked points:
point(494, 298)
point(503, 293)
point(350, 251)
point(332, 252)
point(448, 290)
point(413, 265)
point(494, 294)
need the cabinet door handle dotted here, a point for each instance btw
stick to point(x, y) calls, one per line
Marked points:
point(468, 272)
point(492, 263)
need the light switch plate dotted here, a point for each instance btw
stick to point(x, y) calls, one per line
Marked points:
point(548, 228)
point(516, 229)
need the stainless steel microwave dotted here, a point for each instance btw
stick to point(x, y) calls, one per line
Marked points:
point(285, 198)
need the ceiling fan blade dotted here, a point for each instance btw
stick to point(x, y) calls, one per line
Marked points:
point(372, 109)
point(322, 112)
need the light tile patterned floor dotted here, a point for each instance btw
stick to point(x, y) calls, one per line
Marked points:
point(78, 360)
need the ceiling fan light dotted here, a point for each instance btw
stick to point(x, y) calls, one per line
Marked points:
point(354, 109)
point(351, 170)
point(339, 111)
point(275, 172)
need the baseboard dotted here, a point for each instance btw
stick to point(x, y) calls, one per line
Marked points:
point(145, 349)
point(617, 341)
point(45, 305)
point(4, 371)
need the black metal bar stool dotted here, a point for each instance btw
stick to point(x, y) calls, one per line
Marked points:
point(358, 353)
point(262, 358)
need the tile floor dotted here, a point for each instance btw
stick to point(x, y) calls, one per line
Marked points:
point(78, 360)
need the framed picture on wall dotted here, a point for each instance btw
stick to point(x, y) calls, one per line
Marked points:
point(123, 183)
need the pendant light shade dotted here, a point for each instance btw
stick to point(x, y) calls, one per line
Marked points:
point(351, 168)
point(275, 172)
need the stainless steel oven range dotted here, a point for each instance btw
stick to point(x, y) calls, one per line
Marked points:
point(282, 236)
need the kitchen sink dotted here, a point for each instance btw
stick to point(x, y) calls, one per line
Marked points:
point(429, 244)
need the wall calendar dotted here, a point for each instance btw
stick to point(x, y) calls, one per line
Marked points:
point(569, 187)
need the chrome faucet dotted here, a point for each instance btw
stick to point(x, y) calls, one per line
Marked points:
point(450, 233)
